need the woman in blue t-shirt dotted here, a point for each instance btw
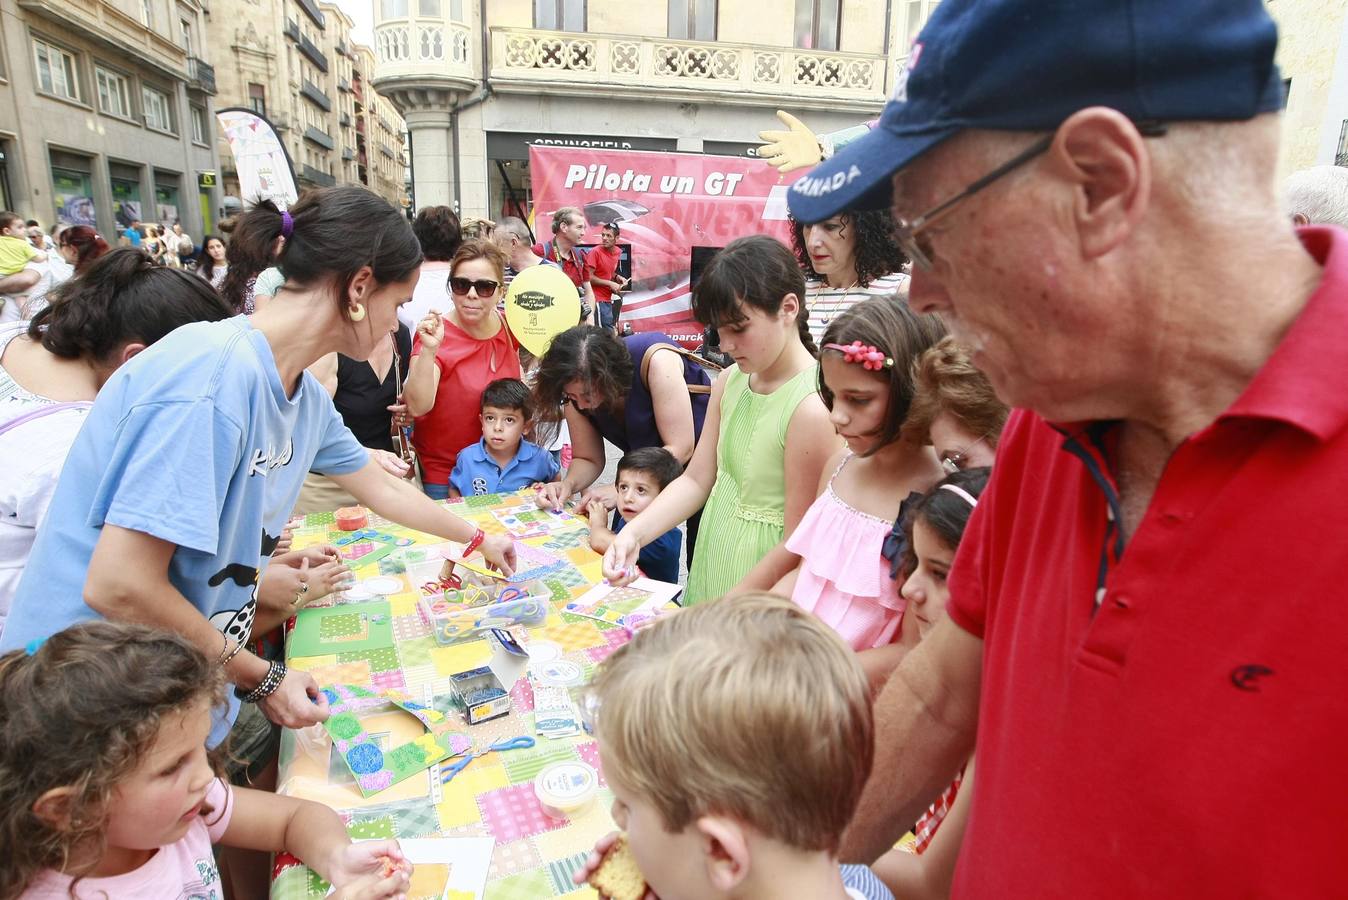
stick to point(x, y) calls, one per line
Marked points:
point(178, 486)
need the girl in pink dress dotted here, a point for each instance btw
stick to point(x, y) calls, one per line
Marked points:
point(834, 564)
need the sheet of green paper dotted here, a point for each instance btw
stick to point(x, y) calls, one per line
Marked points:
point(342, 629)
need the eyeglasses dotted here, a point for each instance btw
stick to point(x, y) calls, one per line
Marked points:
point(958, 461)
point(485, 287)
point(906, 231)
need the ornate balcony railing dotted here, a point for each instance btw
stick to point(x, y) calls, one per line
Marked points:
point(433, 48)
point(200, 75)
point(567, 62)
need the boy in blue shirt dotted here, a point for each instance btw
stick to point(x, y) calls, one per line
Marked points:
point(502, 461)
point(642, 475)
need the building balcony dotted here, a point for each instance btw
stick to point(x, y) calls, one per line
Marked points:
point(348, 153)
point(315, 95)
point(316, 176)
point(383, 148)
point(427, 51)
point(321, 138)
point(313, 12)
point(316, 56)
point(344, 120)
point(343, 85)
point(532, 60)
point(200, 75)
point(360, 126)
point(292, 30)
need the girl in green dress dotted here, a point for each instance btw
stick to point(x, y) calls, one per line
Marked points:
point(767, 434)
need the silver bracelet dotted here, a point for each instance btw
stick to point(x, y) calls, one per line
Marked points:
point(276, 673)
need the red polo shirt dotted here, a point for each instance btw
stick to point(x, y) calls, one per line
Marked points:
point(604, 265)
point(576, 266)
point(1186, 738)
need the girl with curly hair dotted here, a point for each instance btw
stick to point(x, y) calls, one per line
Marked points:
point(107, 789)
point(846, 259)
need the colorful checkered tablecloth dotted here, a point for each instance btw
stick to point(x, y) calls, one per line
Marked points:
point(534, 855)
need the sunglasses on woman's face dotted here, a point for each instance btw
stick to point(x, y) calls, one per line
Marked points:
point(485, 287)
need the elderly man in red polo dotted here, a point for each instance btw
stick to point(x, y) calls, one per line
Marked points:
point(1147, 632)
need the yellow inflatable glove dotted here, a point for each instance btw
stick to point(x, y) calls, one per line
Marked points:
point(796, 148)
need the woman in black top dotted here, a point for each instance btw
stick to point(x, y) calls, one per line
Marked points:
point(366, 393)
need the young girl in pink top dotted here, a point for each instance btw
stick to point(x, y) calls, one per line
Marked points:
point(833, 564)
point(107, 790)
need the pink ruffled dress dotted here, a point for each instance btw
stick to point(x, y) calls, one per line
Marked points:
point(843, 579)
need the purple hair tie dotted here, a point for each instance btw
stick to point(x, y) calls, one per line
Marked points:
point(287, 224)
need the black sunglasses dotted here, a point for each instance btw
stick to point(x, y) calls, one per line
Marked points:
point(485, 287)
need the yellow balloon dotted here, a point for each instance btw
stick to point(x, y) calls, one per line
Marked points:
point(542, 303)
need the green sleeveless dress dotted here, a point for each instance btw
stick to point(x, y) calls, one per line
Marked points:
point(745, 515)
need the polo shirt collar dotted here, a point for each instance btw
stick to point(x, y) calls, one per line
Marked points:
point(1301, 383)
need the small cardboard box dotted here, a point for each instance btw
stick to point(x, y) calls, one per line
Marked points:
point(469, 690)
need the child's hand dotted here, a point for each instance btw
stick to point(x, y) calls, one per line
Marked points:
point(283, 545)
point(620, 560)
point(431, 329)
point(552, 495)
point(606, 494)
point(365, 865)
point(597, 514)
point(499, 551)
point(583, 875)
point(375, 887)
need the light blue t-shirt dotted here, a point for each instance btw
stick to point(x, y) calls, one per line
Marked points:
point(195, 442)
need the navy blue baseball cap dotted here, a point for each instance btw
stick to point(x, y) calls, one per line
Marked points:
point(1027, 65)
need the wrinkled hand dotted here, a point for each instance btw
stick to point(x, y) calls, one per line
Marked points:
point(552, 495)
point(432, 330)
point(795, 148)
point(391, 463)
point(592, 862)
point(620, 560)
point(499, 551)
point(296, 703)
point(399, 415)
point(369, 870)
point(300, 577)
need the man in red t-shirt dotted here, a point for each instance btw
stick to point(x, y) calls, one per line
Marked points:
point(568, 230)
point(1147, 630)
point(606, 280)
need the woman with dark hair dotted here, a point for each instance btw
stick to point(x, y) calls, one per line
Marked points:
point(52, 368)
point(454, 357)
point(636, 391)
point(846, 259)
point(181, 480)
point(211, 264)
point(767, 433)
point(437, 230)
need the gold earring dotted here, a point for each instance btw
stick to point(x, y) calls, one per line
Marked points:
point(357, 312)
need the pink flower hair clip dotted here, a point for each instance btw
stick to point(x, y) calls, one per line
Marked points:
point(857, 352)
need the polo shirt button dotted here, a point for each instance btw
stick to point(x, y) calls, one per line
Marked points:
point(1120, 601)
point(1172, 518)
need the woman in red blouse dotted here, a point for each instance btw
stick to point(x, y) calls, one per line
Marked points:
point(455, 356)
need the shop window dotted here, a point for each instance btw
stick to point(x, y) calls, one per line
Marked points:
point(817, 24)
point(73, 191)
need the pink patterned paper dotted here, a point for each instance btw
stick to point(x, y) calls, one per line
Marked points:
point(513, 812)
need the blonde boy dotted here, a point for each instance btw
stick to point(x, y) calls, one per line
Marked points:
point(737, 736)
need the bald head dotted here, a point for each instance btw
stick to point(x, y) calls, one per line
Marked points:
point(1317, 196)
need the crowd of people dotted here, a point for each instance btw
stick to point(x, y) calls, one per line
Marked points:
point(1025, 464)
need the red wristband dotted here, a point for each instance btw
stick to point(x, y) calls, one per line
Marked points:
point(476, 541)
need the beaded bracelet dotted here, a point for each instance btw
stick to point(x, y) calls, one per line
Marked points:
point(276, 672)
point(238, 645)
point(476, 541)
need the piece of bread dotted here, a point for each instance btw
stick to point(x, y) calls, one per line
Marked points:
point(618, 876)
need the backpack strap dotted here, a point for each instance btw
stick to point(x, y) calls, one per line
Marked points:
point(43, 411)
point(704, 363)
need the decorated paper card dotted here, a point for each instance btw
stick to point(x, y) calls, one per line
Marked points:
point(644, 597)
point(523, 521)
point(457, 866)
point(373, 768)
point(342, 629)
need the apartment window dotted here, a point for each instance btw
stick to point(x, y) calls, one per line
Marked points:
point(428, 8)
point(185, 33)
point(1341, 158)
point(147, 13)
point(56, 71)
point(560, 15)
point(393, 9)
point(817, 24)
point(114, 93)
point(198, 124)
point(157, 110)
point(692, 20)
point(257, 99)
point(917, 13)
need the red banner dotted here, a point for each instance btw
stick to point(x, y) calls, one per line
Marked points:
point(673, 209)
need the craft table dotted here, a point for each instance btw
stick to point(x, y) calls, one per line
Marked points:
point(534, 855)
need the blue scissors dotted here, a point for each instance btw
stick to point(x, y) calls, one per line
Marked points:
point(516, 743)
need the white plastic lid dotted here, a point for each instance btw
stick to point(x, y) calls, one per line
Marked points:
point(566, 786)
point(558, 673)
